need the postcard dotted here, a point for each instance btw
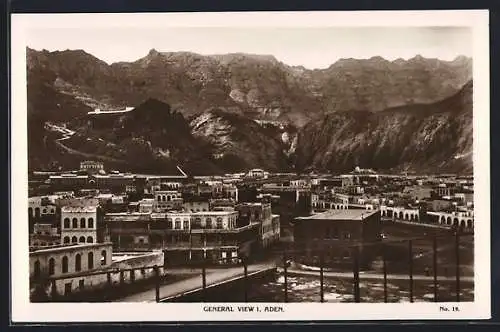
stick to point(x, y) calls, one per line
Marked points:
point(251, 166)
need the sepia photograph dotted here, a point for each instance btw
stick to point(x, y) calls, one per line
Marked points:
point(273, 166)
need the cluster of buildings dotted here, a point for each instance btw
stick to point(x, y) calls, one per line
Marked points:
point(91, 216)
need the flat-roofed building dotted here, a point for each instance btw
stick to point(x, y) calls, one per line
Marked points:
point(334, 231)
point(68, 265)
point(78, 224)
point(91, 166)
point(185, 237)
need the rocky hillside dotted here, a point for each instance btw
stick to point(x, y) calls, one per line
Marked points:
point(231, 112)
point(258, 86)
point(150, 138)
point(421, 137)
point(241, 143)
point(153, 138)
point(376, 84)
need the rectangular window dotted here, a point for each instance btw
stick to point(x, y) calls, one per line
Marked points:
point(67, 288)
point(81, 284)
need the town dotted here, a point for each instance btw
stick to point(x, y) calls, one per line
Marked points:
point(92, 227)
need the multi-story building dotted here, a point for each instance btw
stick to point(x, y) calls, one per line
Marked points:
point(261, 213)
point(68, 181)
point(91, 166)
point(335, 231)
point(185, 237)
point(115, 182)
point(166, 200)
point(257, 173)
point(41, 208)
point(79, 224)
point(74, 269)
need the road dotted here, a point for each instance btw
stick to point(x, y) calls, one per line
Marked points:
point(66, 134)
point(213, 276)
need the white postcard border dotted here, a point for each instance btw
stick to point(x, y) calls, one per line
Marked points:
point(24, 311)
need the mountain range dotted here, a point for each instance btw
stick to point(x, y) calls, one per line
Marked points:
point(218, 113)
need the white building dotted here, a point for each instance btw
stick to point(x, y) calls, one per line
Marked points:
point(78, 224)
point(257, 173)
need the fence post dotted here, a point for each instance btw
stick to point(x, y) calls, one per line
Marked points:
point(384, 258)
point(157, 283)
point(245, 281)
point(204, 279)
point(285, 274)
point(321, 277)
point(410, 267)
point(434, 267)
point(356, 274)
point(457, 267)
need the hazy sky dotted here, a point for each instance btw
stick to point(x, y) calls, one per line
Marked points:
point(312, 47)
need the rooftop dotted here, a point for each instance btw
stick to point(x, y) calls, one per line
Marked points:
point(354, 214)
point(68, 247)
point(79, 209)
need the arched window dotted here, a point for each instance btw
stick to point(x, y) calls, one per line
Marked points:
point(406, 216)
point(82, 223)
point(103, 257)
point(74, 239)
point(37, 212)
point(219, 222)
point(90, 260)
point(158, 198)
point(197, 222)
point(400, 215)
point(30, 212)
point(448, 220)
point(208, 222)
point(52, 266)
point(66, 239)
point(75, 223)
point(90, 239)
point(65, 264)
point(169, 223)
point(78, 262)
point(455, 222)
point(44, 211)
point(169, 198)
point(185, 224)
point(66, 223)
point(90, 223)
point(82, 239)
point(37, 269)
point(177, 223)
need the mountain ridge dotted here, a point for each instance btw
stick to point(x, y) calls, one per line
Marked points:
point(274, 102)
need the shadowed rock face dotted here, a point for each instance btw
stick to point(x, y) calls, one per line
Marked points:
point(432, 137)
point(238, 140)
point(375, 113)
